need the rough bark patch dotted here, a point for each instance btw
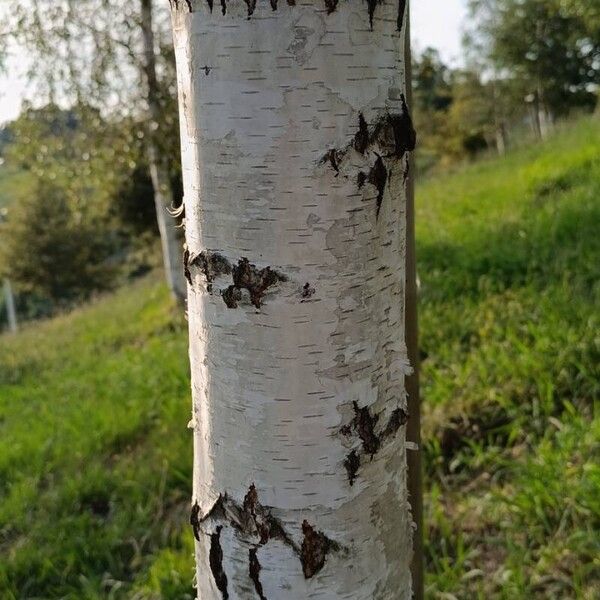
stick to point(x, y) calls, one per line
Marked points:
point(215, 560)
point(330, 5)
point(392, 135)
point(314, 549)
point(254, 572)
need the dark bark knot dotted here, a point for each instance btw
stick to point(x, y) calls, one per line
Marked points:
point(364, 425)
point(256, 525)
point(247, 278)
point(255, 281)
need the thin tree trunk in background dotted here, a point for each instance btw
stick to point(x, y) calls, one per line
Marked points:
point(163, 197)
point(413, 429)
point(295, 153)
point(9, 301)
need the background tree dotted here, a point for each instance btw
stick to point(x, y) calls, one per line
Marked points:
point(549, 45)
point(117, 57)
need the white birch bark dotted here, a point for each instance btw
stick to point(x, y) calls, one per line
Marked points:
point(295, 135)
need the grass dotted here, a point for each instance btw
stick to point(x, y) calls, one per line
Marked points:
point(509, 260)
point(95, 461)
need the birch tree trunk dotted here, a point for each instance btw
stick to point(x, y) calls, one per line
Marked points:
point(163, 197)
point(295, 150)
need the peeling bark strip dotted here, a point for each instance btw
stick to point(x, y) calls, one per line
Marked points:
point(215, 558)
point(256, 281)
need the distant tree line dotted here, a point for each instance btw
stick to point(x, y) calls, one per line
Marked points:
point(85, 221)
point(528, 63)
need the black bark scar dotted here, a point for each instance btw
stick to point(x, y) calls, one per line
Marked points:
point(361, 139)
point(215, 561)
point(253, 521)
point(378, 176)
point(401, 10)
point(364, 425)
point(352, 464)
point(254, 572)
point(331, 5)
point(315, 547)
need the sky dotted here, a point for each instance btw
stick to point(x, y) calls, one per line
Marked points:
point(436, 23)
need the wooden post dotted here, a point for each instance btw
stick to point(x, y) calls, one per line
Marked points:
point(413, 431)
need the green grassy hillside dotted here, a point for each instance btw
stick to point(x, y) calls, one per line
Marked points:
point(95, 458)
